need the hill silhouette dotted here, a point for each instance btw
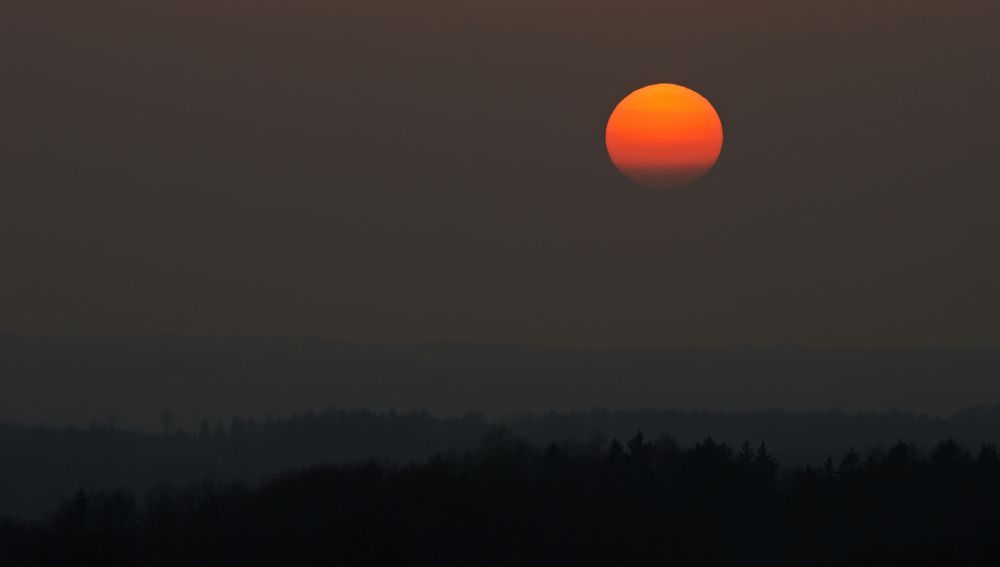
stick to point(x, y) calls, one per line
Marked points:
point(508, 502)
point(41, 465)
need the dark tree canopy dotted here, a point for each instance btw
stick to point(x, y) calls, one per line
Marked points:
point(509, 502)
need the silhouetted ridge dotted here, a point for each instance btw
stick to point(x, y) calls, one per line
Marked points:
point(39, 466)
point(509, 502)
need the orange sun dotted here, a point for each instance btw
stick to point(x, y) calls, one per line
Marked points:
point(664, 136)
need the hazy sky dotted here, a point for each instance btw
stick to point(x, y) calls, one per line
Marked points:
point(396, 170)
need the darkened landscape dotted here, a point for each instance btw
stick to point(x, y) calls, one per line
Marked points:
point(507, 502)
point(40, 466)
point(587, 485)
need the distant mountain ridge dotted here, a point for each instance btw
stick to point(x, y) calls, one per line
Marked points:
point(132, 380)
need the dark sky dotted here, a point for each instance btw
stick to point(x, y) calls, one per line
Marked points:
point(407, 171)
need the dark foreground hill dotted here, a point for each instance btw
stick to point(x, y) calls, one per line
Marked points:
point(41, 465)
point(510, 503)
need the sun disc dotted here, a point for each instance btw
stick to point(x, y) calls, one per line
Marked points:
point(664, 136)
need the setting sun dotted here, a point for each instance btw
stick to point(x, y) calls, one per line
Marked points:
point(664, 136)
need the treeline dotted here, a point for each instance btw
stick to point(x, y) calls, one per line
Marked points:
point(509, 502)
point(39, 466)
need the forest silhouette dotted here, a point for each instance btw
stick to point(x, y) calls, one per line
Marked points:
point(41, 465)
point(506, 501)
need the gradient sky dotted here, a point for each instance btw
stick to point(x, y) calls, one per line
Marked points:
point(409, 171)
